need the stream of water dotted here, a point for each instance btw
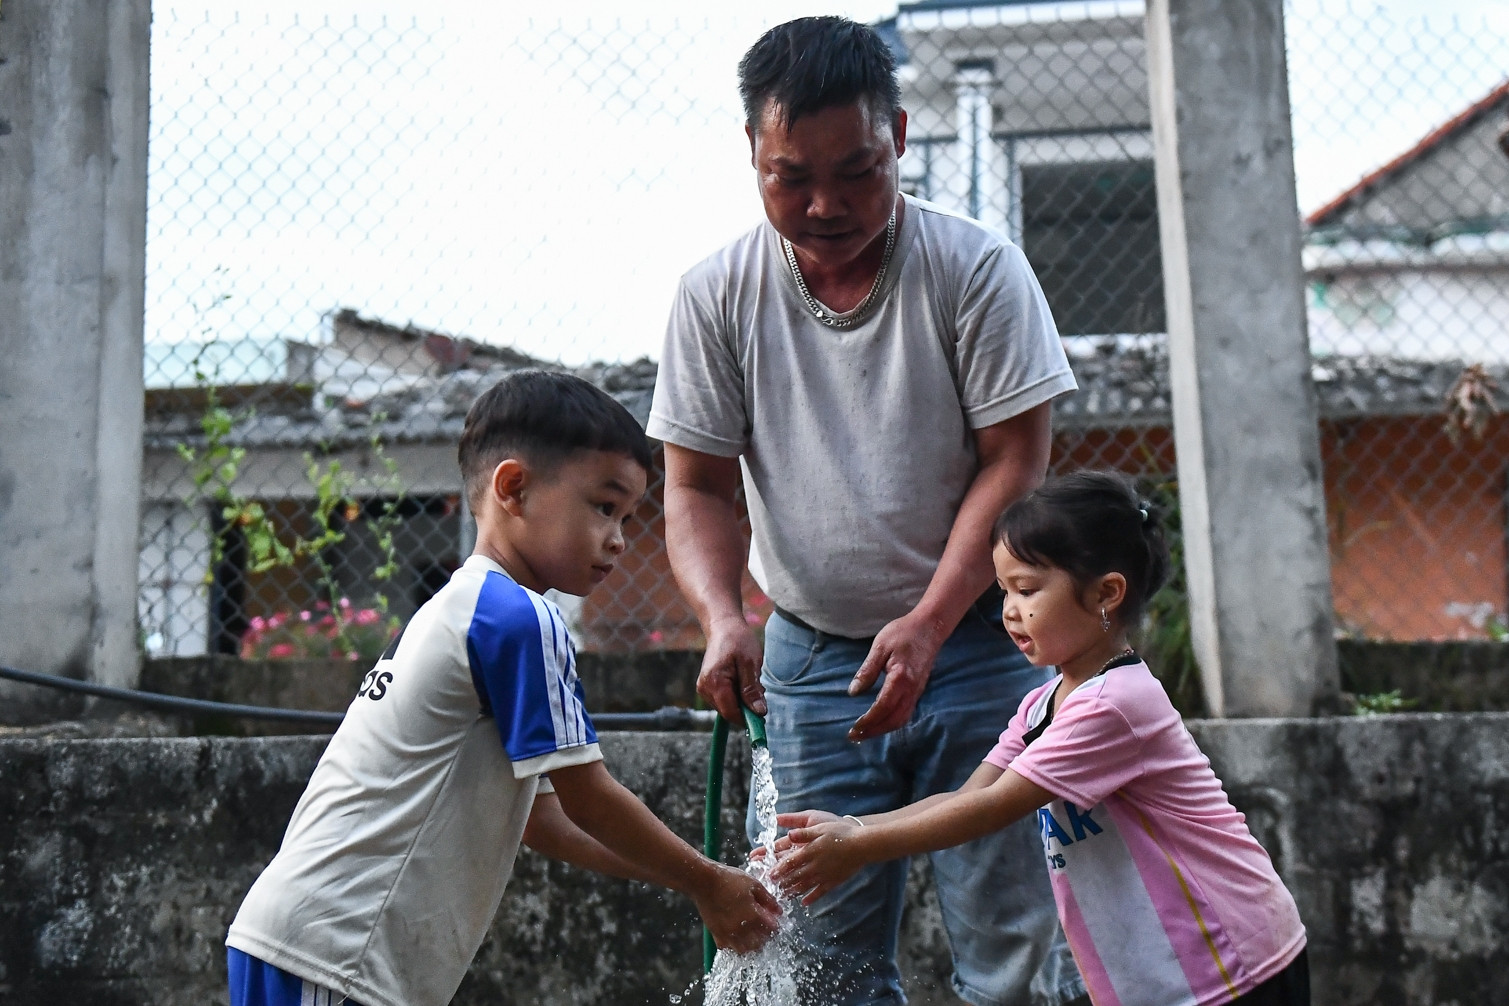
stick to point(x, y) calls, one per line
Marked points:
point(773, 975)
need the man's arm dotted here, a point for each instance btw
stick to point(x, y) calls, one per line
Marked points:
point(738, 911)
point(1013, 458)
point(708, 554)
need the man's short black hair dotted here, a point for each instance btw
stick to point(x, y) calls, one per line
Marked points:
point(813, 63)
point(542, 418)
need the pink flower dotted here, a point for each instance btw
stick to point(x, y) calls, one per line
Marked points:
point(322, 606)
point(353, 655)
point(281, 650)
point(657, 636)
point(277, 619)
point(304, 615)
point(345, 603)
point(366, 616)
point(258, 623)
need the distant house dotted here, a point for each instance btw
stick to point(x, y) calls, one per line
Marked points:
point(1413, 260)
point(404, 388)
point(1032, 116)
point(1412, 264)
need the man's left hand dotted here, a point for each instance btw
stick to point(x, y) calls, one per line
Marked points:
point(904, 650)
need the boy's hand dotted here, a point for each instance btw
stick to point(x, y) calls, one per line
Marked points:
point(821, 856)
point(738, 911)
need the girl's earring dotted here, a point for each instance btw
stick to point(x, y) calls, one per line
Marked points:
point(1105, 623)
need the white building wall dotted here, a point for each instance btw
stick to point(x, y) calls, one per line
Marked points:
point(1441, 304)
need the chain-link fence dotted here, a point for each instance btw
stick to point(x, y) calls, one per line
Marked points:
point(356, 225)
point(1407, 261)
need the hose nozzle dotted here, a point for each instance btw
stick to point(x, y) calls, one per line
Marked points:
point(756, 724)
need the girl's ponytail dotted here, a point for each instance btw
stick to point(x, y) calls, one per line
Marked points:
point(1157, 547)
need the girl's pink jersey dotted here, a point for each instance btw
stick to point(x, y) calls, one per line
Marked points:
point(1165, 896)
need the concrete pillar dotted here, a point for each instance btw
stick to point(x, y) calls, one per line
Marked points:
point(73, 203)
point(1245, 422)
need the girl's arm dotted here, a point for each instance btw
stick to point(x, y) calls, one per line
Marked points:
point(982, 777)
point(824, 855)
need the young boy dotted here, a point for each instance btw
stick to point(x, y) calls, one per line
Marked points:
point(397, 855)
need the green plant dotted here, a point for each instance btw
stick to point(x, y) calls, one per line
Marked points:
point(1380, 703)
point(213, 469)
point(336, 508)
point(1166, 640)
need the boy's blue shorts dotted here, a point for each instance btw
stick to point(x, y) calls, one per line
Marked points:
point(255, 982)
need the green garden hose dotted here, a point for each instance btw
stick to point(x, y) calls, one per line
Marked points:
point(712, 818)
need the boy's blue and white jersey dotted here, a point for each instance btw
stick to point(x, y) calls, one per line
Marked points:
point(399, 850)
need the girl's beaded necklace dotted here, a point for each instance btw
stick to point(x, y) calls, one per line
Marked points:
point(1128, 652)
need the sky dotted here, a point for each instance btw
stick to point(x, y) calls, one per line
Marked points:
point(540, 175)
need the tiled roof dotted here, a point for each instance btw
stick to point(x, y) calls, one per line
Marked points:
point(350, 401)
point(1123, 381)
point(1332, 212)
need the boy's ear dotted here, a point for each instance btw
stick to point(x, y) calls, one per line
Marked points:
point(510, 480)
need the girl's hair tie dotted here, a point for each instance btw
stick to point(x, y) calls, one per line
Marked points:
point(1142, 509)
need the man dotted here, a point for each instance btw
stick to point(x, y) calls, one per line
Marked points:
point(883, 369)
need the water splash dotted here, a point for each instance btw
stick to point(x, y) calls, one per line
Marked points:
point(775, 974)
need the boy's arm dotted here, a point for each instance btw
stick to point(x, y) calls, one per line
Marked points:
point(824, 855)
point(738, 911)
point(551, 833)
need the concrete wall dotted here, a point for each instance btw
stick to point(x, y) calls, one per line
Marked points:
point(126, 860)
point(73, 194)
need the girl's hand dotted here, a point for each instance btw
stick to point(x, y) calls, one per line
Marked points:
point(821, 857)
point(798, 819)
point(805, 818)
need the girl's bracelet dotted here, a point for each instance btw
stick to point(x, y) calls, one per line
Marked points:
point(851, 817)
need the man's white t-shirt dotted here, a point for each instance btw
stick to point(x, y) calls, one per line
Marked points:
point(397, 855)
point(856, 443)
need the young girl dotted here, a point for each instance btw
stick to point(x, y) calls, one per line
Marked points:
point(1164, 895)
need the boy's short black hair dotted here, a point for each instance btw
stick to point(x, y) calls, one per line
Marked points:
point(542, 418)
point(1089, 523)
point(814, 63)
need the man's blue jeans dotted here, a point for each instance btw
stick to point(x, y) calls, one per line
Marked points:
point(997, 906)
